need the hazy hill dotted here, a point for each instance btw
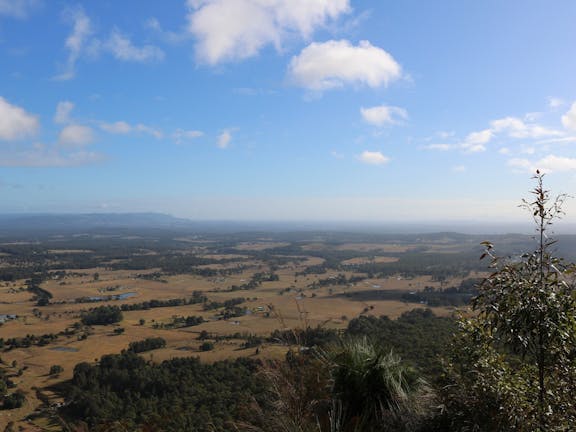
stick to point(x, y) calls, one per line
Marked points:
point(39, 223)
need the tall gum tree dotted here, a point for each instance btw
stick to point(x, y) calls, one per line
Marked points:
point(514, 359)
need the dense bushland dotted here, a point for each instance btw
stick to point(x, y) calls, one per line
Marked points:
point(174, 396)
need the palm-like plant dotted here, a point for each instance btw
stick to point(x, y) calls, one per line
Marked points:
point(376, 390)
point(354, 385)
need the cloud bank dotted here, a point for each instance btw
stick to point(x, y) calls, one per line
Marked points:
point(231, 30)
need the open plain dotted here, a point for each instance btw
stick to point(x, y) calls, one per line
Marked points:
point(212, 296)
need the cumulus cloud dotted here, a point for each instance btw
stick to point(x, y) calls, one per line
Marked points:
point(75, 135)
point(180, 135)
point(76, 41)
point(229, 30)
point(512, 128)
point(383, 115)
point(17, 8)
point(63, 110)
point(517, 128)
point(548, 164)
point(333, 64)
point(569, 119)
point(122, 48)
point(373, 158)
point(224, 139)
point(476, 141)
point(15, 122)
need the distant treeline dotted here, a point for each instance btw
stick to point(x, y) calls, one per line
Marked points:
point(147, 344)
point(255, 281)
point(42, 296)
point(339, 279)
point(430, 296)
point(197, 297)
point(102, 315)
point(227, 304)
point(27, 341)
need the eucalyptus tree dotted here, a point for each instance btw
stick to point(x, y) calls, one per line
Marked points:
point(515, 357)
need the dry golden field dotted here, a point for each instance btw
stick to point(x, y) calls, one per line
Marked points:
point(293, 301)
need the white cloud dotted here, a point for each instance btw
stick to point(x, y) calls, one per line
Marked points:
point(459, 168)
point(569, 119)
point(517, 128)
point(168, 36)
point(476, 141)
point(149, 130)
point(439, 147)
point(181, 135)
point(15, 122)
point(224, 139)
point(373, 158)
point(81, 42)
point(332, 64)
point(548, 164)
point(76, 41)
point(124, 128)
point(480, 137)
point(383, 115)
point(504, 150)
point(557, 164)
point(510, 127)
point(63, 111)
point(533, 116)
point(75, 135)
point(554, 102)
point(228, 30)
point(17, 8)
point(122, 48)
point(562, 140)
point(119, 127)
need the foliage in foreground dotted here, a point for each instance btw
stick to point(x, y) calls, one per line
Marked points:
point(351, 385)
point(374, 388)
point(513, 365)
point(305, 392)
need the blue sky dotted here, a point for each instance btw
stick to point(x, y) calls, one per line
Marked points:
point(406, 110)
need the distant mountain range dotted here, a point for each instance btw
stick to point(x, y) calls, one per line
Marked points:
point(38, 222)
point(13, 224)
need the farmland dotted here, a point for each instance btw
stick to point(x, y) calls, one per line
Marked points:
point(209, 295)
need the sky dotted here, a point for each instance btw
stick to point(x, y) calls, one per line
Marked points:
point(335, 110)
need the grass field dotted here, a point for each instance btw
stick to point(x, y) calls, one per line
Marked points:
point(295, 300)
